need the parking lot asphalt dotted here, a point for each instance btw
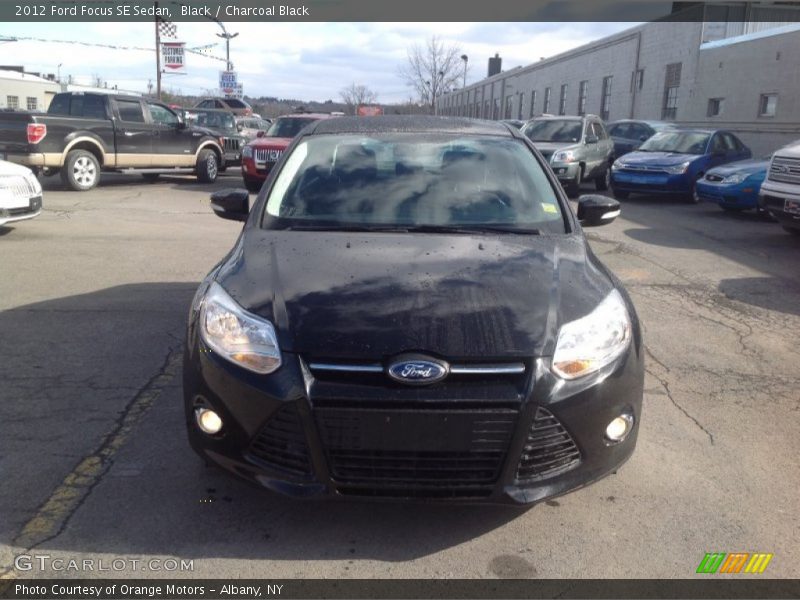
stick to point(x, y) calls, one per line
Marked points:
point(93, 450)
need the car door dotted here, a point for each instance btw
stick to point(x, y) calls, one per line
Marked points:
point(172, 144)
point(606, 145)
point(134, 134)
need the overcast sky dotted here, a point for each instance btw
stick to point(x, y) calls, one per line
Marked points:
point(305, 61)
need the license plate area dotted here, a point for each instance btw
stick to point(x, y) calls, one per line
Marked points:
point(389, 430)
point(792, 207)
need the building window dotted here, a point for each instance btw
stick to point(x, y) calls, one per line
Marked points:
point(670, 109)
point(562, 101)
point(714, 107)
point(672, 81)
point(32, 103)
point(768, 105)
point(637, 80)
point(496, 109)
point(485, 109)
point(605, 100)
point(12, 102)
point(533, 103)
point(509, 105)
point(546, 108)
point(519, 107)
point(582, 91)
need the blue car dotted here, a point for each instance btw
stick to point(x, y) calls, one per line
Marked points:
point(672, 161)
point(734, 186)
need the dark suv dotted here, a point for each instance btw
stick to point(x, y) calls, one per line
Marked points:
point(578, 148)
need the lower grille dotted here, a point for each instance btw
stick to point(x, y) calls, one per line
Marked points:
point(549, 449)
point(281, 443)
point(435, 452)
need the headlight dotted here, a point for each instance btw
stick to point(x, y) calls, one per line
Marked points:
point(737, 178)
point(236, 335)
point(564, 156)
point(247, 152)
point(678, 169)
point(588, 344)
point(616, 165)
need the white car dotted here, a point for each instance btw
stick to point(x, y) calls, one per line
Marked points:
point(20, 193)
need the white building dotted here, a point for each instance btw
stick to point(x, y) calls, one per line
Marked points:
point(23, 91)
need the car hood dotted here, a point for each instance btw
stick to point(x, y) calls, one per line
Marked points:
point(657, 159)
point(373, 295)
point(271, 142)
point(745, 167)
point(8, 168)
point(548, 148)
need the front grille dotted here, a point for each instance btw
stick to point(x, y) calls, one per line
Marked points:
point(549, 449)
point(19, 186)
point(267, 155)
point(785, 169)
point(281, 443)
point(231, 144)
point(430, 453)
point(643, 168)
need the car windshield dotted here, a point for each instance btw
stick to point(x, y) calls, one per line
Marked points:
point(554, 130)
point(288, 127)
point(680, 142)
point(210, 118)
point(421, 182)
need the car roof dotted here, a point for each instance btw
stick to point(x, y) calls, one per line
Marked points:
point(413, 124)
point(305, 116)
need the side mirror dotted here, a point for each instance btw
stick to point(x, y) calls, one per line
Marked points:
point(643, 138)
point(232, 204)
point(260, 134)
point(592, 139)
point(594, 210)
point(180, 125)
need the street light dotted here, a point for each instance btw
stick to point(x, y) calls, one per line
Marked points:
point(465, 58)
point(227, 37)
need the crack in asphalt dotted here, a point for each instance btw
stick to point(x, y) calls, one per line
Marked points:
point(665, 384)
point(53, 516)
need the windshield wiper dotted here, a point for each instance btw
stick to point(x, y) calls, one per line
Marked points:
point(333, 227)
point(473, 229)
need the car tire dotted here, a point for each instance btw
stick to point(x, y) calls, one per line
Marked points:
point(81, 171)
point(207, 166)
point(693, 198)
point(620, 195)
point(603, 181)
point(150, 177)
point(792, 230)
point(253, 185)
point(573, 188)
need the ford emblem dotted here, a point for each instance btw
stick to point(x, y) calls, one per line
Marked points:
point(417, 370)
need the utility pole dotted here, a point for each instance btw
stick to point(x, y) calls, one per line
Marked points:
point(227, 37)
point(158, 55)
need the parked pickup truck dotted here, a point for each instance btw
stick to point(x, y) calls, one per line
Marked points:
point(780, 192)
point(83, 134)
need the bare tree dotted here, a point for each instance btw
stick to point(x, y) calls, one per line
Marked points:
point(433, 68)
point(354, 95)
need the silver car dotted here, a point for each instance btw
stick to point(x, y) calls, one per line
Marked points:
point(578, 149)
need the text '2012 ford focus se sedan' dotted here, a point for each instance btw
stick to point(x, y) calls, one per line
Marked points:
point(412, 311)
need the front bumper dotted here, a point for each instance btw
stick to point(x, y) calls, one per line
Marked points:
point(252, 170)
point(739, 195)
point(11, 214)
point(782, 201)
point(507, 441)
point(651, 182)
point(565, 171)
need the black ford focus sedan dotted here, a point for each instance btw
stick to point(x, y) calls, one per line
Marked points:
point(412, 311)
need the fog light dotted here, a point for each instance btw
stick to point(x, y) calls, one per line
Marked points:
point(619, 428)
point(207, 420)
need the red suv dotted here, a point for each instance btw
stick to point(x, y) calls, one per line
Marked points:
point(261, 154)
